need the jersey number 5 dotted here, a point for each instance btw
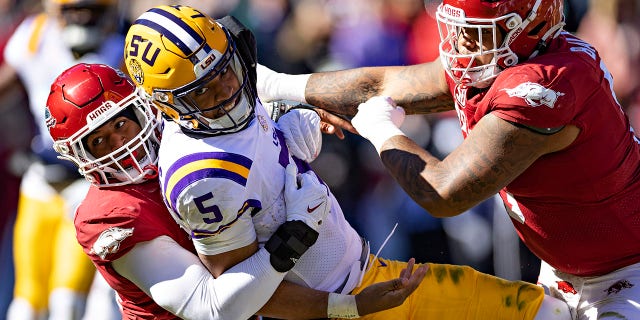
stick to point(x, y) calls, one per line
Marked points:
point(206, 211)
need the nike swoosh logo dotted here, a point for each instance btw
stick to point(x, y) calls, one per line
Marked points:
point(309, 210)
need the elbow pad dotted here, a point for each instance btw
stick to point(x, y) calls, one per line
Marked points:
point(289, 243)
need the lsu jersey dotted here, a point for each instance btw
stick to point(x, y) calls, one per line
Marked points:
point(577, 209)
point(110, 222)
point(227, 191)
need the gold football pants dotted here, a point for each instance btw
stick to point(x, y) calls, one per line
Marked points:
point(457, 293)
point(46, 253)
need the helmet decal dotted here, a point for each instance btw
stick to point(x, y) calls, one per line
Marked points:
point(136, 71)
point(49, 119)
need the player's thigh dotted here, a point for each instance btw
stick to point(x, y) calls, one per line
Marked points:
point(458, 292)
point(35, 227)
point(71, 267)
point(615, 295)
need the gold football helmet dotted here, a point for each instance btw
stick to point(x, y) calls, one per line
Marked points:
point(189, 65)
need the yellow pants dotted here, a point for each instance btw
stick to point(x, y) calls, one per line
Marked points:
point(457, 293)
point(47, 255)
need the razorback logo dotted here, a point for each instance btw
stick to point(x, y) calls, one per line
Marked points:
point(49, 119)
point(566, 287)
point(109, 241)
point(535, 94)
point(619, 286)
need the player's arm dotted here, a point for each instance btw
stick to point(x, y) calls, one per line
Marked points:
point(419, 88)
point(178, 282)
point(494, 154)
point(291, 301)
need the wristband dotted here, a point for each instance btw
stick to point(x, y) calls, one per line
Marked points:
point(342, 306)
point(380, 135)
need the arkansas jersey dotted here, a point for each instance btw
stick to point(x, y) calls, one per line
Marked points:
point(110, 222)
point(577, 209)
point(228, 190)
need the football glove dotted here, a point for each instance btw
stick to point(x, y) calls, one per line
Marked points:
point(301, 129)
point(306, 198)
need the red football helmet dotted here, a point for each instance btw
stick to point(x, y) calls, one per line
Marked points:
point(526, 27)
point(83, 98)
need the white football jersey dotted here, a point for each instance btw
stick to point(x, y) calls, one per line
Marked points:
point(37, 53)
point(228, 190)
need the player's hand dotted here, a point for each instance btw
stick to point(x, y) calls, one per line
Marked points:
point(301, 129)
point(379, 119)
point(306, 198)
point(334, 124)
point(390, 294)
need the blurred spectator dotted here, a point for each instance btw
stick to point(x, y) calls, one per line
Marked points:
point(613, 28)
point(52, 274)
point(424, 38)
point(16, 130)
point(574, 10)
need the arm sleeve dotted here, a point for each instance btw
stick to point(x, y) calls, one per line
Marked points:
point(178, 282)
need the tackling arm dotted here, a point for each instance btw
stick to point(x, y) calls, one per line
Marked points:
point(494, 153)
point(177, 281)
point(418, 88)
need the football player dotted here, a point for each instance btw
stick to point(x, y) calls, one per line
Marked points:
point(542, 127)
point(224, 168)
point(107, 127)
point(52, 275)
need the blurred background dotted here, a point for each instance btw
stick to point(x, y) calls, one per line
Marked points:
point(302, 36)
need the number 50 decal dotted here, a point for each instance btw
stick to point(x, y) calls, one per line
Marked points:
point(136, 43)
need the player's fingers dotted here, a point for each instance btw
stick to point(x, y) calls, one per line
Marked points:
point(406, 272)
point(337, 121)
point(291, 176)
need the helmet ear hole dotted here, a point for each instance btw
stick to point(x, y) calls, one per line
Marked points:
point(510, 61)
point(537, 29)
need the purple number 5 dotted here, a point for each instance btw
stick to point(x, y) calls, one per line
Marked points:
point(217, 215)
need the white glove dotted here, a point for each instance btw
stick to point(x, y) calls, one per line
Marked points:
point(378, 119)
point(301, 129)
point(272, 85)
point(310, 202)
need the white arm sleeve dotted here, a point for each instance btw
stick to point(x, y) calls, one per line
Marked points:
point(273, 85)
point(177, 281)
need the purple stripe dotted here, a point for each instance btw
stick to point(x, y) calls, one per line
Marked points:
point(203, 174)
point(172, 37)
point(231, 157)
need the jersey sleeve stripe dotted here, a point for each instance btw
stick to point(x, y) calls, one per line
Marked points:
point(205, 165)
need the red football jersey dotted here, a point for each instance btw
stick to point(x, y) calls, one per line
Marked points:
point(577, 209)
point(109, 222)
